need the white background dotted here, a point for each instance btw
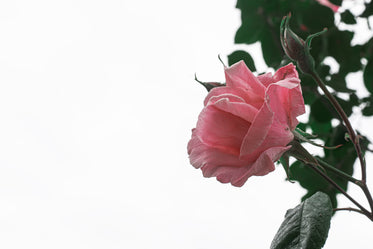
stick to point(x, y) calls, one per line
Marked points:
point(97, 100)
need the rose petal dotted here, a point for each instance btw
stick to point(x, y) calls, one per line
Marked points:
point(286, 72)
point(201, 154)
point(266, 79)
point(252, 99)
point(239, 76)
point(242, 110)
point(220, 129)
point(286, 101)
point(238, 175)
point(263, 165)
point(257, 132)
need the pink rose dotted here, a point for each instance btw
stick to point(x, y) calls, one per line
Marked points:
point(246, 125)
point(329, 4)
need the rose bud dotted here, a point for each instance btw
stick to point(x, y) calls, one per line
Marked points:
point(246, 125)
point(296, 48)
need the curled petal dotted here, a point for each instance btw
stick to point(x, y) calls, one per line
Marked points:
point(222, 130)
point(257, 132)
point(286, 101)
point(239, 76)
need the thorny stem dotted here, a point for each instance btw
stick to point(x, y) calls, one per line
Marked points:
point(352, 134)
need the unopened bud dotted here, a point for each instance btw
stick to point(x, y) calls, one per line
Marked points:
point(296, 48)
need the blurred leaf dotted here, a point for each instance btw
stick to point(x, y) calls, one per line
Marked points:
point(348, 18)
point(367, 49)
point(325, 17)
point(368, 10)
point(367, 110)
point(302, 126)
point(252, 25)
point(336, 2)
point(354, 100)
point(311, 181)
point(346, 105)
point(238, 55)
point(368, 75)
point(324, 70)
point(321, 110)
point(249, 32)
point(320, 129)
point(338, 83)
point(342, 158)
point(272, 51)
point(339, 47)
point(306, 226)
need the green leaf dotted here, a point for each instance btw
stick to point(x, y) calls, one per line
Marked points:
point(251, 27)
point(306, 226)
point(348, 17)
point(238, 55)
point(338, 83)
point(247, 33)
point(272, 51)
point(368, 109)
point(321, 110)
point(342, 158)
point(311, 181)
point(339, 47)
point(368, 75)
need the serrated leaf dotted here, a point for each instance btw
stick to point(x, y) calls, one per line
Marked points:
point(238, 55)
point(306, 226)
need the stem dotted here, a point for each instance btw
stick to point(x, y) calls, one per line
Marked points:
point(349, 209)
point(339, 172)
point(353, 137)
point(327, 178)
point(344, 117)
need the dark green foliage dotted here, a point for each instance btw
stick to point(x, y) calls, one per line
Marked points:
point(348, 18)
point(368, 10)
point(321, 110)
point(238, 55)
point(368, 75)
point(305, 226)
point(261, 23)
point(343, 158)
